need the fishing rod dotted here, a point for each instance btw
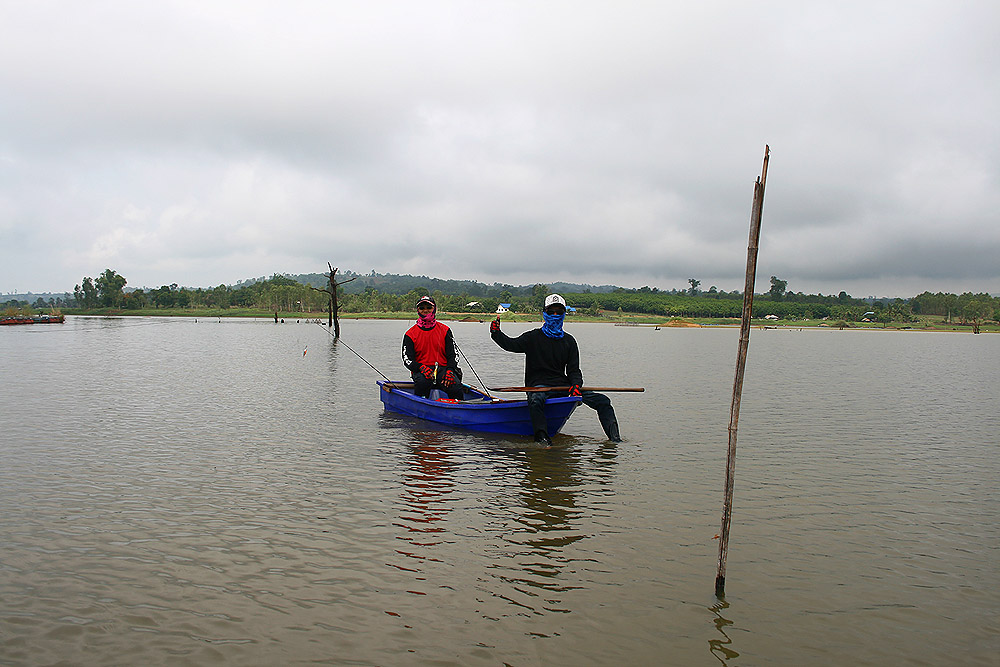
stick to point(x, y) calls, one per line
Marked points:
point(481, 383)
point(341, 341)
point(584, 388)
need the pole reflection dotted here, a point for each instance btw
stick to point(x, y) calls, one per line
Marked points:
point(721, 648)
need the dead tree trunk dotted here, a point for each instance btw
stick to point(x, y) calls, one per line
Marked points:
point(331, 291)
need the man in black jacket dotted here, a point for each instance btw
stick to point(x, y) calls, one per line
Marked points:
point(552, 359)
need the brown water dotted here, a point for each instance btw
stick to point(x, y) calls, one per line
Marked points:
point(202, 492)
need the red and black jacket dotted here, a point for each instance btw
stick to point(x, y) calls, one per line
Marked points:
point(426, 347)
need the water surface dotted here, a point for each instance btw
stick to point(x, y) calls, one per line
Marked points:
point(175, 491)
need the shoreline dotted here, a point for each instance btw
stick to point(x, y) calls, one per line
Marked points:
point(637, 320)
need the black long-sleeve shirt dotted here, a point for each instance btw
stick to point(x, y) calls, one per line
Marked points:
point(549, 362)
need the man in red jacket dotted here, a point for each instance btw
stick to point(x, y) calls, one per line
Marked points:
point(429, 353)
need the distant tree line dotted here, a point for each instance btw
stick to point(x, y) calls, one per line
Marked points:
point(288, 294)
point(278, 293)
point(390, 283)
point(968, 308)
point(65, 301)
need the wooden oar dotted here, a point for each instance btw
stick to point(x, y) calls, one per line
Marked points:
point(530, 389)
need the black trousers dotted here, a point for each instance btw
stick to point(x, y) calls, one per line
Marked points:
point(599, 402)
point(422, 386)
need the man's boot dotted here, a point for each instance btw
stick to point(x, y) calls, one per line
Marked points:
point(610, 425)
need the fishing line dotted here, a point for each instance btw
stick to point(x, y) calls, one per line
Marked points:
point(341, 341)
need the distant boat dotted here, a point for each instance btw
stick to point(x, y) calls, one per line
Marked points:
point(32, 319)
point(477, 411)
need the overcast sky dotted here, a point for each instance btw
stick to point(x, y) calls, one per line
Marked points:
point(203, 142)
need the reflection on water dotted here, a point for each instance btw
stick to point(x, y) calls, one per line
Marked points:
point(426, 485)
point(548, 494)
point(204, 492)
point(531, 530)
point(722, 648)
point(549, 516)
point(558, 507)
point(544, 524)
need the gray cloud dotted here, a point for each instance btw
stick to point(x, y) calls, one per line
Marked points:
point(203, 143)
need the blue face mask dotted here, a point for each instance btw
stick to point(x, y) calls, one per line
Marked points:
point(553, 327)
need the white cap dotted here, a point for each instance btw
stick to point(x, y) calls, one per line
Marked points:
point(554, 298)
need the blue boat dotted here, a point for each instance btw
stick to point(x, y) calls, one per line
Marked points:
point(477, 411)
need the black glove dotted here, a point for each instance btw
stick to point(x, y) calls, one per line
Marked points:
point(427, 372)
point(449, 379)
point(495, 325)
point(574, 390)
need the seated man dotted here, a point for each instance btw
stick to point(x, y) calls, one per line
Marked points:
point(429, 353)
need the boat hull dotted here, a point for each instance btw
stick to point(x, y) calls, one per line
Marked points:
point(478, 412)
point(33, 319)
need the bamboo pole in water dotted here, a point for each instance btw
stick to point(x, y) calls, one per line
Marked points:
point(741, 360)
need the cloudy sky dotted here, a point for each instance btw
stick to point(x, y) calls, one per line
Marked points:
point(204, 142)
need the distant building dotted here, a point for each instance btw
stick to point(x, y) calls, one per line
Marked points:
point(472, 304)
point(503, 308)
point(770, 317)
